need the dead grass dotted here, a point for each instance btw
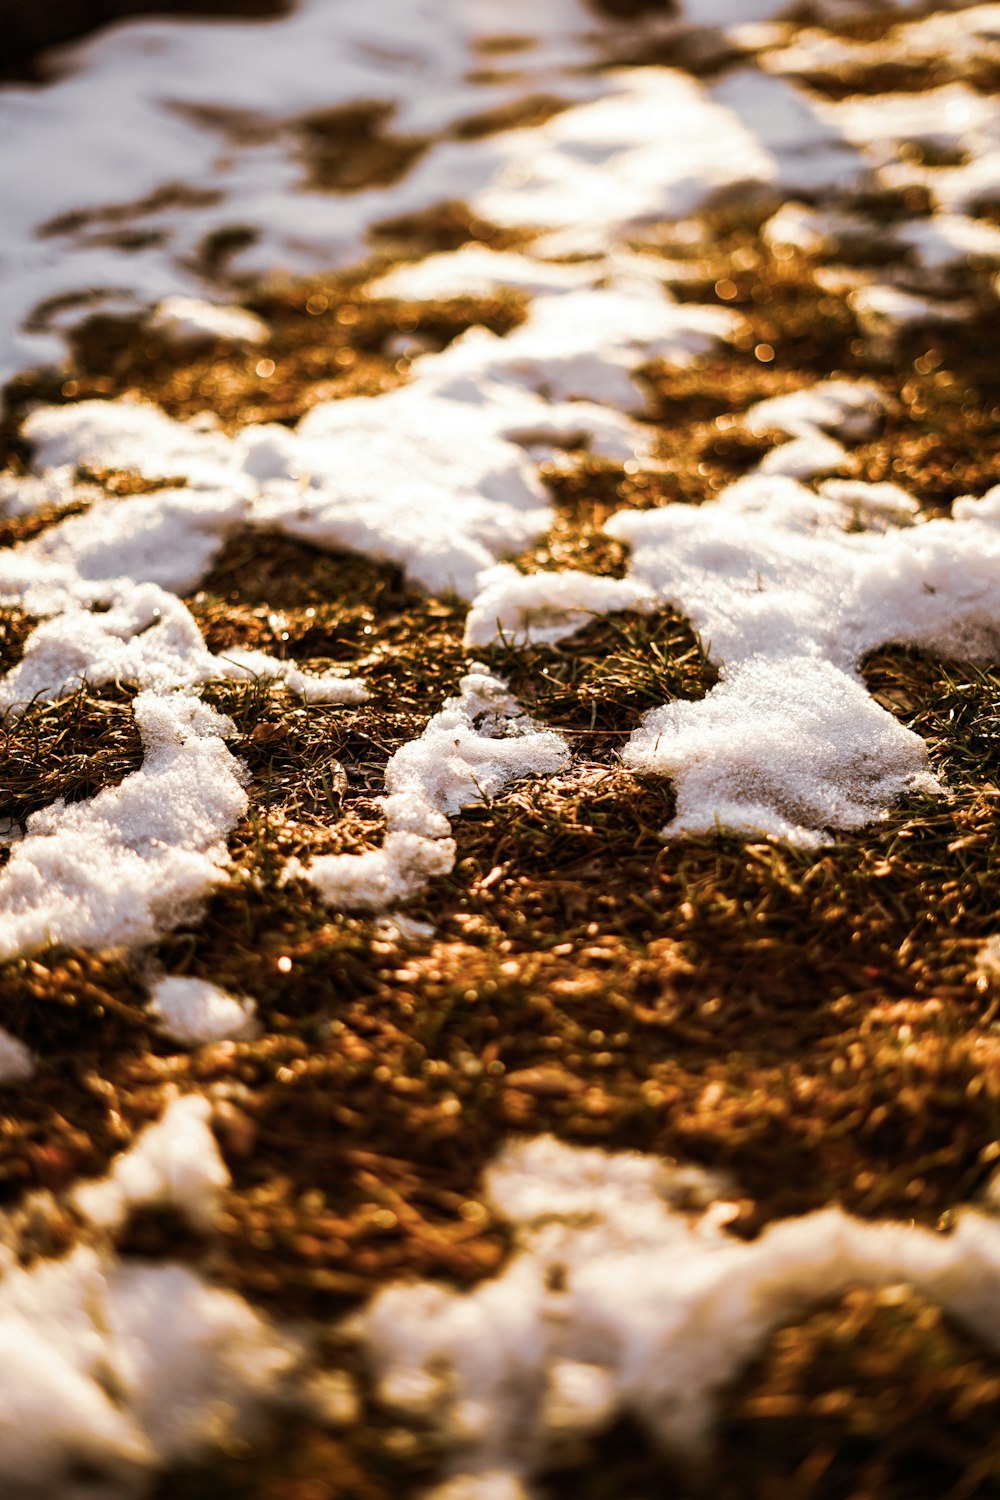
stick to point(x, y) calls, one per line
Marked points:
point(70, 748)
point(351, 147)
point(15, 627)
point(166, 199)
point(328, 340)
point(517, 114)
point(446, 226)
point(877, 1395)
point(878, 68)
point(939, 437)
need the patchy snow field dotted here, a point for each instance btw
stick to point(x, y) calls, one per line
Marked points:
point(499, 643)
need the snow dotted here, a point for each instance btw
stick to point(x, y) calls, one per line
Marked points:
point(169, 538)
point(789, 600)
point(193, 1011)
point(810, 417)
point(626, 1297)
point(137, 857)
point(419, 478)
point(114, 1367)
point(787, 756)
point(584, 345)
point(141, 856)
point(987, 960)
point(126, 120)
point(544, 608)
point(881, 307)
point(139, 150)
point(175, 1163)
point(188, 320)
point(478, 743)
point(476, 271)
point(788, 587)
point(128, 435)
point(175, 130)
point(947, 240)
point(800, 227)
point(23, 494)
point(602, 166)
point(16, 1062)
point(439, 475)
point(311, 687)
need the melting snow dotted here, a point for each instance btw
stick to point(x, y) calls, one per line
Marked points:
point(138, 856)
point(192, 1011)
point(625, 1296)
point(789, 601)
point(620, 1298)
point(545, 607)
point(439, 475)
point(114, 1367)
point(186, 320)
point(789, 589)
point(173, 1164)
point(809, 418)
point(16, 1062)
point(469, 751)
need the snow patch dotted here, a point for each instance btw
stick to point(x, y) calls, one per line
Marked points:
point(788, 601)
point(311, 687)
point(144, 178)
point(17, 1064)
point(116, 1367)
point(883, 308)
point(475, 271)
point(542, 608)
point(137, 857)
point(584, 345)
point(789, 588)
point(129, 435)
point(188, 320)
point(626, 1297)
point(439, 476)
point(193, 1011)
point(476, 745)
point(809, 418)
point(175, 1163)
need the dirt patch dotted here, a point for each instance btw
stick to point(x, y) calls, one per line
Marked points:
point(518, 114)
point(167, 199)
point(351, 147)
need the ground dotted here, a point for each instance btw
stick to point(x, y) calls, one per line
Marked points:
point(811, 1021)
